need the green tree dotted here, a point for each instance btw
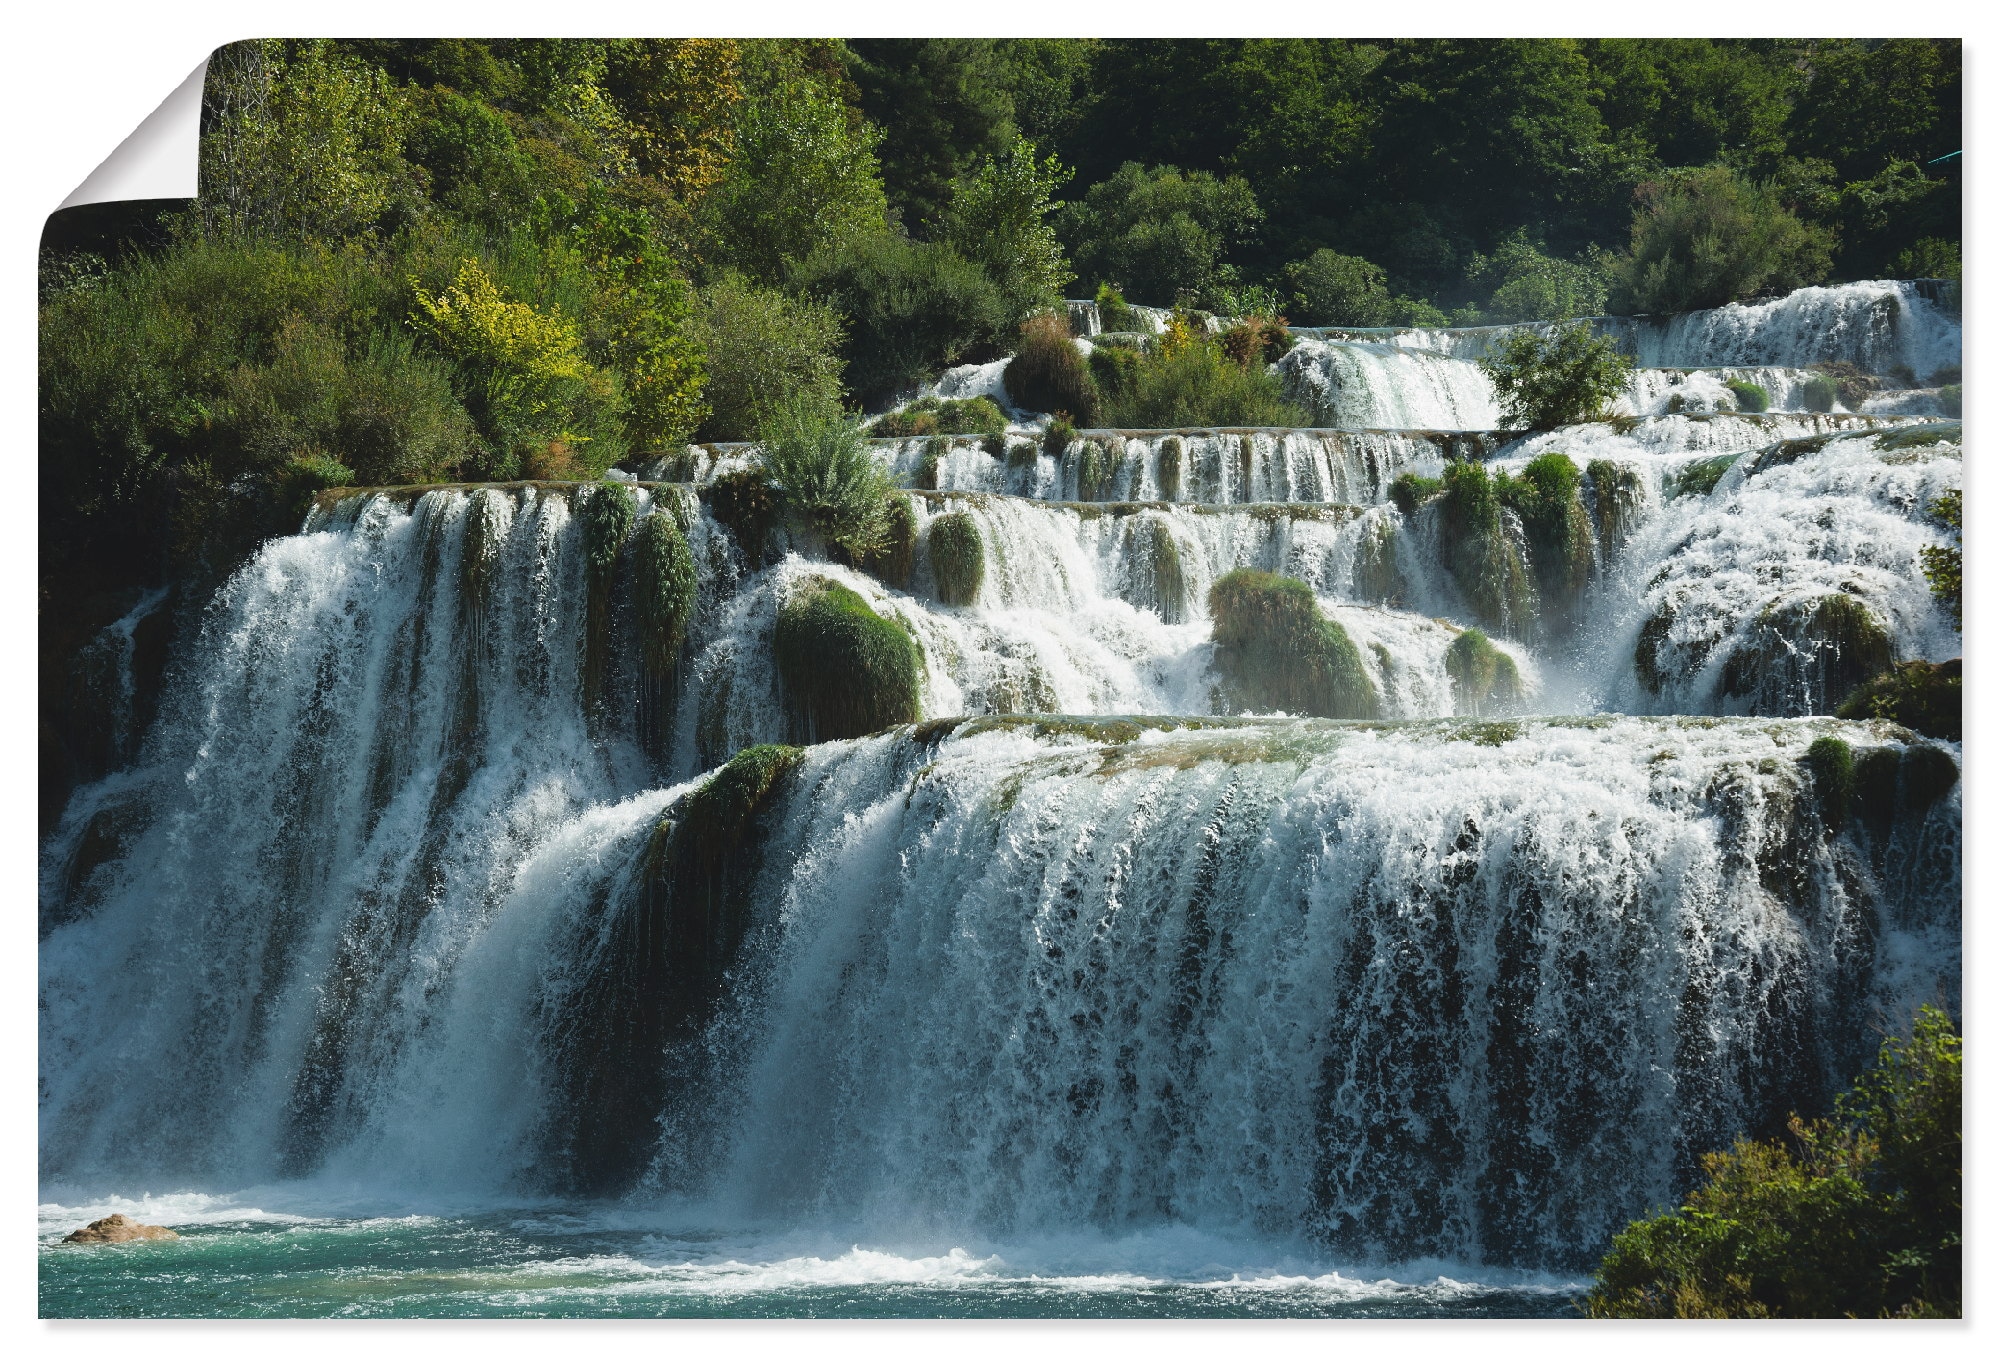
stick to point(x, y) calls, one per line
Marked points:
point(1522, 283)
point(999, 219)
point(1328, 288)
point(1710, 236)
point(1565, 376)
point(763, 347)
point(1160, 233)
point(942, 105)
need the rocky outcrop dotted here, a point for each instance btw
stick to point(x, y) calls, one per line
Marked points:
point(117, 1229)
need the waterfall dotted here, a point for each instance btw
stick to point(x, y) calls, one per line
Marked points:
point(444, 872)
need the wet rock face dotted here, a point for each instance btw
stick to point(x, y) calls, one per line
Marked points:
point(117, 1229)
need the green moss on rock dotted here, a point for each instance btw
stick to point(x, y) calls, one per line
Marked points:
point(1277, 652)
point(1172, 456)
point(958, 558)
point(1806, 656)
point(1378, 577)
point(1480, 554)
point(1163, 558)
point(663, 589)
point(1548, 499)
point(846, 670)
point(1699, 478)
point(1411, 490)
point(893, 561)
point(1093, 469)
point(1751, 398)
point(1832, 763)
point(607, 514)
point(1482, 675)
point(743, 503)
point(1617, 496)
point(1928, 698)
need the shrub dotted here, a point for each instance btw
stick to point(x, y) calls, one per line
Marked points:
point(1328, 288)
point(823, 477)
point(932, 415)
point(1115, 371)
point(958, 558)
point(1112, 311)
point(1944, 567)
point(847, 671)
point(1820, 394)
point(1709, 236)
point(1059, 435)
point(1047, 372)
point(1410, 490)
point(305, 477)
point(763, 347)
point(1160, 232)
point(1525, 284)
point(1256, 339)
point(1564, 377)
point(1862, 1219)
point(1930, 257)
point(892, 561)
point(1192, 383)
point(1617, 494)
point(998, 219)
point(912, 308)
point(1850, 383)
point(1481, 673)
point(1928, 698)
point(1277, 652)
point(1751, 398)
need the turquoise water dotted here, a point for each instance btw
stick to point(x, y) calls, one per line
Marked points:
point(243, 1260)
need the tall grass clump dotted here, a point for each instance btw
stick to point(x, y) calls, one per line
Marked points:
point(1276, 651)
point(1860, 1215)
point(823, 478)
point(1194, 384)
point(1047, 372)
point(847, 671)
point(958, 558)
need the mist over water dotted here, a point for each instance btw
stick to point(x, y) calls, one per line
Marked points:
point(1091, 993)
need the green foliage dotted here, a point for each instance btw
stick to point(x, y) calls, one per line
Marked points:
point(1195, 384)
point(847, 671)
point(1328, 288)
point(1112, 311)
point(304, 477)
point(803, 181)
point(1617, 494)
point(1173, 458)
point(930, 415)
point(942, 105)
point(1707, 237)
point(1482, 675)
point(1928, 698)
point(763, 347)
point(1160, 233)
point(1410, 490)
point(958, 558)
point(1821, 392)
point(1547, 497)
point(1863, 1218)
point(893, 561)
point(823, 479)
point(1930, 258)
point(1751, 398)
point(663, 590)
point(1115, 371)
point(1832, 762)
point(1523, 283)
point(1944, 567)
point(1047, 372)
point(1276, 651)
point(1564, 377)
point(999, 219)
point(912, 309)
point(1256, 339)
point(1169, 579)
point(1478, 552)
point(1058, 436)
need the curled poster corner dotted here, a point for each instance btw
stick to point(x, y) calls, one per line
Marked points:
point(161, 159)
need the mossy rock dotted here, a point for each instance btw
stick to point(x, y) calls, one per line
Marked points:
point(1093, 469)
point(1919, 436)
point(1480, 554)
point(1410, 491)
point(1821, 393)
point(1378, 576)
point(893, 561)
point(1023, 456)
point(1803, 658)
point(607, 514)
point(1700, 478)
point(1163, 559)
point(1547, 497)
point(1617, 496)
point(1057, 437)
point(847, 671)
point(1483, 677)
point(663, 590)
point(1831, 760)
point(743, 503)
point(1928, 698)
point(1173, 455)
point(958, 558)
point(1751, 398)
point(1276, 651)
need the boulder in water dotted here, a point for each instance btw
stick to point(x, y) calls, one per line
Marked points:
point(117, 1229)
point(847, 670)
point(1277, 652)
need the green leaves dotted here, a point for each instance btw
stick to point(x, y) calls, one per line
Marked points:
point(1564, 376)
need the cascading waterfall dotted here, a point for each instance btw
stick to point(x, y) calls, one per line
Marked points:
point(424, 879)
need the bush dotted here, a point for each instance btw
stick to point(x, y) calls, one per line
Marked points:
point(763, 347)
point(1928, 698)
point(1112, 311)
point(1481, 674)
point(1410, 490)
point(823, 477)
point(1525, 284)
point(1751, 398)
point(1277, 652)
point(912, 308)
point(1564, 377)
point(1047, 372)
point(1115, 370)
point(1160, 232)
point(1256, 339)
point(1058, 436)
point(1195, 384)
point(1707, 237)
point(1821, 392)
point(958, 558)
point(1863, 1219)
point(1338, 289)
point(998, 219)
point(847, 671)
point(930, 415)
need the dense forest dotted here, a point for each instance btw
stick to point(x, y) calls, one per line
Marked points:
point(485, 260)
